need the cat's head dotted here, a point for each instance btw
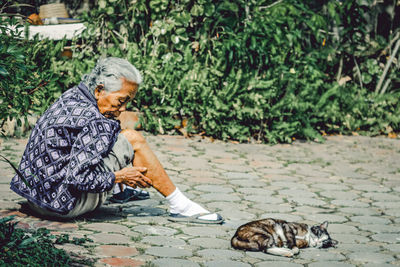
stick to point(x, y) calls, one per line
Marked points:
point(320, 238)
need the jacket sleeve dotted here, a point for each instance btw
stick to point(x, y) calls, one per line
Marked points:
point(86, 171)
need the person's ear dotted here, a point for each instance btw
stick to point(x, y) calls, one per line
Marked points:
point(98, 91)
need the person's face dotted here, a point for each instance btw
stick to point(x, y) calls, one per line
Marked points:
point(111, 104)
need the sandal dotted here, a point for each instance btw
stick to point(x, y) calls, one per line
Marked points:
point(129, 195)
point(176, 217)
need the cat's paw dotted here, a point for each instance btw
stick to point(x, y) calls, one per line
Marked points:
point(295, 250)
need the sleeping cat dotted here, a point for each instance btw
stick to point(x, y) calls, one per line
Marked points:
point(279, 237)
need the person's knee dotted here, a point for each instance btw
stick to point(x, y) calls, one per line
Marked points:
point(134, 137)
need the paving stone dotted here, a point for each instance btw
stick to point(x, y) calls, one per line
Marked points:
point(154, 230)
point(320, 255)
point(331, 218)
point(339, 195)
point(359, 192)
point(295, 192)
point(255, 191)
point(330, 264)
point(350, 238)
point(277, 264)
point(214, 188)
point(354, 247)
point(382, 196)
point(71, 248)
point(368, 257)
point(282, 216)
point(220, 197)
point(359, 211)
point(110, 238)
point(306, 201)
point(107, 227)
point(373, 188)
point(225, 263)
point(264, 199)
point(387, 238)
point(210, 242)
point(204, 231)
point(219, 254)
point(289, 185)
point(164, 241)
point(280, 208)
point(393, 212)
point(381, 265)
point(312, 210)
point(267, 257)
point(118, 251)
point(240, 175)
point(341, 228)
point(370, 220)
point(144, 211)
point(349, 203)
point(246, 183)
point(50, 225)
point(386, 204)
point(379, 228)
point(274, 171)
point(331, 187)
point(220, 205)
point(169, 252)
point(393, 247)
point(122, 262)
point(166, 262)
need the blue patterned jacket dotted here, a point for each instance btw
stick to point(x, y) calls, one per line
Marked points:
point(65, 151)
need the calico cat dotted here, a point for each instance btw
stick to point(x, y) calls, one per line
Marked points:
point(279, 237)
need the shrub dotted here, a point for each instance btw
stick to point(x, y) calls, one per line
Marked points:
point(249, 70)
point(26, 87)
point(20, 248)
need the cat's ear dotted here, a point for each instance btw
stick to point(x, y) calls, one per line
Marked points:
point(324, 225)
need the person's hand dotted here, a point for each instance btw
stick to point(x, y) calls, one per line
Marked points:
point(133, 176)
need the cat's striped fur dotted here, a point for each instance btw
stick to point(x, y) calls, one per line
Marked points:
point(279, 237)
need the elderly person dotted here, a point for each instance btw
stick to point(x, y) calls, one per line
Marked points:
point(77, 152)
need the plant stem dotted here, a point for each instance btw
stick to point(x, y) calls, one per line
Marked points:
point(358, 73)
point(271, 5)
point(396, 48)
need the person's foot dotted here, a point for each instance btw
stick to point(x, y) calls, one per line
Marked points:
point(129, 195)
point(182, 207)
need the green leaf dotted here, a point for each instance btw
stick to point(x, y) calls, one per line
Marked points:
point(18, 172)
point(3, 71)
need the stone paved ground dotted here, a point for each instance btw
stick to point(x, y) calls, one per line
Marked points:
point(353, 182)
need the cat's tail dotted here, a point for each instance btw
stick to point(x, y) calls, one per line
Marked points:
point(243, 245)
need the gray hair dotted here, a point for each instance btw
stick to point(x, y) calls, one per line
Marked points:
point(108, 72)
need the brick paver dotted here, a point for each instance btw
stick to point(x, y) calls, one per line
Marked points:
point(352, 182)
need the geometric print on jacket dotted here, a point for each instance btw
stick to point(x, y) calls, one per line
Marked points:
point(65, 151)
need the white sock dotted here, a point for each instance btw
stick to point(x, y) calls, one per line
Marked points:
point(179, 203)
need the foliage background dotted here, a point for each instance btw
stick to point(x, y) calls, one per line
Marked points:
point(251, 71)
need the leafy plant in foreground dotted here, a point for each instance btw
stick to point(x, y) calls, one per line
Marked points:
point(20, 248)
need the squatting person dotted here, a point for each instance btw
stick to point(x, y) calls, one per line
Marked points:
point(77, 153)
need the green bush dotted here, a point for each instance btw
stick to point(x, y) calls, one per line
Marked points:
point(20, 248)
point(248, 70)
point(26, 87)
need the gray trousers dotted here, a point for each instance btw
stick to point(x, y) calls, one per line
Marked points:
point(119, 157)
